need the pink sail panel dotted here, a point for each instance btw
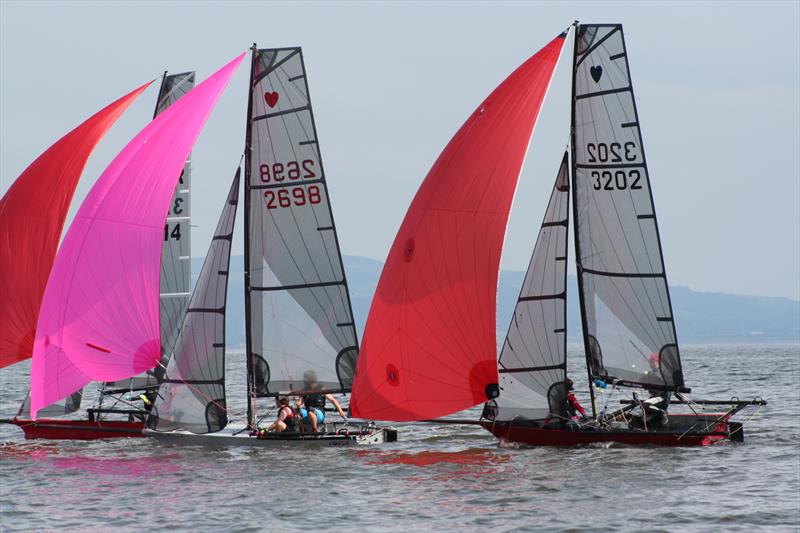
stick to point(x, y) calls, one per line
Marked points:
point(32, 214)
point(99, 318)
point(429, 347)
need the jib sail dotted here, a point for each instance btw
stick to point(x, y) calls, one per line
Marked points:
point(192, 391)
point(532, 364)
point(628, 322)
point(299, 317)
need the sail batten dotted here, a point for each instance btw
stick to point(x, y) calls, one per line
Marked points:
point(626, 310)
point(429, 346)
point(103, 289)
point(32, 215)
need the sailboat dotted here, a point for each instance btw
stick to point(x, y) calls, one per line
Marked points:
point(98, 319)
point(124, 417)
point(299, 320)
point(429, 345)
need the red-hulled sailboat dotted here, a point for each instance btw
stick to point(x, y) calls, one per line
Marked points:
point(429, 346)
point(65, 358)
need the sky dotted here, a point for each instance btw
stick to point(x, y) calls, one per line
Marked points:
point(717, 87)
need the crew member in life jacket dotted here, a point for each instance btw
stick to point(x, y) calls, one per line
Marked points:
point(312, 404)
point(573, 405)
point(287, 418)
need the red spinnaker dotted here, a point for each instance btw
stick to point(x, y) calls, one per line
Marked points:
point(429, 347)
point(32, 214)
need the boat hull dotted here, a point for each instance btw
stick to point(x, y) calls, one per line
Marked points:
point(241, 437)
point(678, 433)
point(58, 429)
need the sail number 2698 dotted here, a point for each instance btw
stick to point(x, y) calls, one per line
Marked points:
point(292, 196)
point(293, 170)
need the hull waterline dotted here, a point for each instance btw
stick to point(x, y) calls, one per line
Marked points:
point(57, 429)
point(241, 437)
point(528, 434)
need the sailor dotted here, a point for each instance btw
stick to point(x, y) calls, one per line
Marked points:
point(312, 404)
point(573, 405)
point(287, 419)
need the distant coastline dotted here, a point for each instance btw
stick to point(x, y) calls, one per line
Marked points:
point(700, 317)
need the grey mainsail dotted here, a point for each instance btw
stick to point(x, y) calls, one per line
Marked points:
point(299, 317)
point(176, 261)
point(532, 361)
point(192, 391)
point(627, 315)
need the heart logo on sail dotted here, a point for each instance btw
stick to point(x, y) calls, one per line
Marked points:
point(271, 99)
point(597, 73)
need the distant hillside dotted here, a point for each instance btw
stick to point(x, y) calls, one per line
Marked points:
point(699, 316)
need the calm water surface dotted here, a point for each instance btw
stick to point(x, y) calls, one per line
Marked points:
point(435, 478)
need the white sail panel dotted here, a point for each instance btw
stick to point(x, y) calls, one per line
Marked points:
point(533, 358)
point(629, 327)
point(300, 318)
point(192, 392)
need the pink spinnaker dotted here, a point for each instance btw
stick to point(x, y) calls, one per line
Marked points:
point(99, 319)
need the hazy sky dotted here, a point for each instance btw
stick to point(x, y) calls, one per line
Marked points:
point(717, 88)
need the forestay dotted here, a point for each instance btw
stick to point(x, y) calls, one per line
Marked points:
point(299, 314)
point(192, 392)
point(628, 321)
point(533, 369)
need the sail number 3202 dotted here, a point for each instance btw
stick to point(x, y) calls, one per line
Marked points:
point(615, 181)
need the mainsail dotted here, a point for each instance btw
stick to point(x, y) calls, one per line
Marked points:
point(192, 392)
point(99, 318)
point(176, 260)
point(32, 214)
point(430, 343)
point(533, 368)
point(627, 315)
point(299, 317)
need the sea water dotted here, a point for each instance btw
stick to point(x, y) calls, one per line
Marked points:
point(435, 478)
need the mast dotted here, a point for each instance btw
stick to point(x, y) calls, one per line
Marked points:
point(248, 327)
point(576, 224)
